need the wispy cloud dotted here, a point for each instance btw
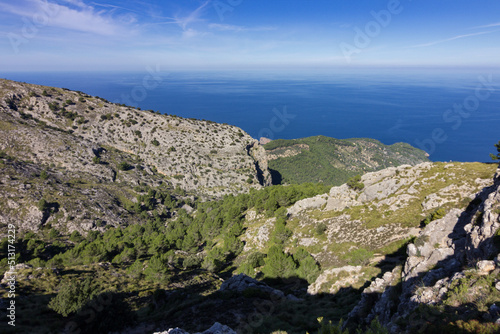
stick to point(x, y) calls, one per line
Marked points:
point(228, 27)
point(488, 26)
point(83, 18)
point(452, 39)
point(184, 20)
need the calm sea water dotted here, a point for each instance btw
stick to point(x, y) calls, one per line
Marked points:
point(451, 114)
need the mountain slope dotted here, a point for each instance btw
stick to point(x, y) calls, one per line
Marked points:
point(333, 161)
point(65, 128)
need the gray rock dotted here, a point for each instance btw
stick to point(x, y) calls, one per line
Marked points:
point(216, 328)
point(242, 282)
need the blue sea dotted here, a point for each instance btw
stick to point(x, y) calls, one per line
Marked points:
point(453, 114)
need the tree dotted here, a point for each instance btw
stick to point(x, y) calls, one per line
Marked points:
point(278, 263)
point(497, 156)
point(308, 268)
point(157, 269)
point(281, 233)
point(72, 296)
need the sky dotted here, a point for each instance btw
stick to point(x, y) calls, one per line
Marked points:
point(80, 35)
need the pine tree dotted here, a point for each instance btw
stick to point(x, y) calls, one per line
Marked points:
point(497, 156)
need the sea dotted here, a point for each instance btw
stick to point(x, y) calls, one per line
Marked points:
point(451, 113)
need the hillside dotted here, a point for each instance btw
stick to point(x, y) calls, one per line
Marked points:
point(110, 238)
point(66, 129)
point(333, 161)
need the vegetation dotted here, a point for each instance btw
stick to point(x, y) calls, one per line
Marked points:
point(162, 255)
point(333, 161)
point(355, 183)
point(496, 157)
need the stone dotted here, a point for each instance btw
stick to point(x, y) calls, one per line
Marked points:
point(242, 282)
point(485, 267)
point(216, 328)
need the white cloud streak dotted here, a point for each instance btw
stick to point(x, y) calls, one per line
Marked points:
point(452, 39)
point(488, 26)
point(228, 27)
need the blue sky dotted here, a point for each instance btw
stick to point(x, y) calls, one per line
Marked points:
point(37, 35)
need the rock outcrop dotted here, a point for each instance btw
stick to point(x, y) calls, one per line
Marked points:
point(243, 282)
point(217, 328)
point(440, 257)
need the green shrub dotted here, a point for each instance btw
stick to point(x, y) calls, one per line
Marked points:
point(355, 183)
point(155, 142)
point(124, 166)
point(43, 205)
point(437, 214)
point(44, 175)
point(256, 259)
point(308, 268)
point(321, 228)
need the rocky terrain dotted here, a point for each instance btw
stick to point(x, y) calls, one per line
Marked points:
point(451, 271)
point(67, 129)
point(134, 202)
point(91, 158)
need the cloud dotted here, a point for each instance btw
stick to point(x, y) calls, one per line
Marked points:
point(488, 26)
point(83, 18)
point(452, 39)
point(77, 3)
point(194, 16)
point(228, 27)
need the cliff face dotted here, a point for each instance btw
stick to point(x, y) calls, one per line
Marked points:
point(67, 129)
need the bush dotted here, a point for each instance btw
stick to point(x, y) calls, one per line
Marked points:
point(214, 260)
point(256, 259)
point(355, 183)
point(155, 142)
point(124, 166)
point(308, 268)
point(43, 205)
point(321, 228)
point(44, 175)
point(438, 214)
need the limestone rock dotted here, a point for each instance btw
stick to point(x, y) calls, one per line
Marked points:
point(242, 282)
point(484, 267)
point(216, 328)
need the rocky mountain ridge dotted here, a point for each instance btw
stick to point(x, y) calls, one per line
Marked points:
point(68, 129)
